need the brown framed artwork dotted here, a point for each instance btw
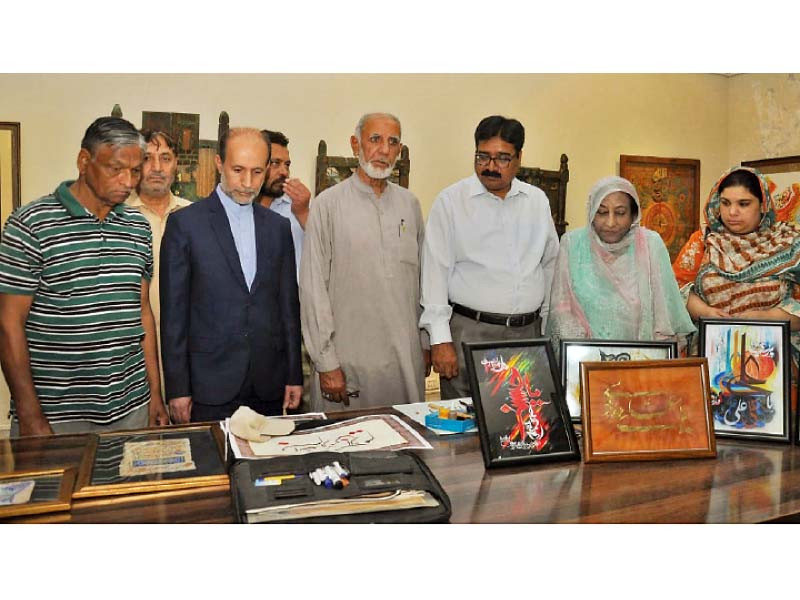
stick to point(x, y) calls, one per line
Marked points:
point(669, 191)
point(783, 175)
point(9, 169)
point(646, 410)
point(154, 460)
point(36, 492)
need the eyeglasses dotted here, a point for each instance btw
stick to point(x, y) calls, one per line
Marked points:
point(482, 159)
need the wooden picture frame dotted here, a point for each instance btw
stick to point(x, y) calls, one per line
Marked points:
point(649, 410)
point(574, 351)
point(783, 176)
point(128, 462)
point(52, 492)
point(669, 192)
point(756, 404)
point(521, 413)
point(10, 177)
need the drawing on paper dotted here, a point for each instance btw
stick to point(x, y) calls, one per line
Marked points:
point(372, 434)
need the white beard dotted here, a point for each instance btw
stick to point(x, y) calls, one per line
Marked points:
point(374, 172)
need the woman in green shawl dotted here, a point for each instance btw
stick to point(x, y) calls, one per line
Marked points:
point(613, 278)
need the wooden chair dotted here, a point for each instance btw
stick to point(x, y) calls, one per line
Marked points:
point(335, 169)
point(554, 185)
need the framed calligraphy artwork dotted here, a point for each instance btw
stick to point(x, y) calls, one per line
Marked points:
point(521, 413)
point(669, 191)
point(149, 460)
point(783, 176)
point(36, 492)
point(749, 363)
point(575, 351)
point(646, 410)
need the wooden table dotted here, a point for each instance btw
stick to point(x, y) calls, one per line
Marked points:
point(747, 482)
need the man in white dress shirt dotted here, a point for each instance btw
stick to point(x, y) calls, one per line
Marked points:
point(284, 195)
point(488, 256)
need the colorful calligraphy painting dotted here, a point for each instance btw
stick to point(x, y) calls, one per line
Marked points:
point(518, 399)
point(746, 364)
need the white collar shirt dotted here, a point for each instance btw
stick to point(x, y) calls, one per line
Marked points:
point(487, 253)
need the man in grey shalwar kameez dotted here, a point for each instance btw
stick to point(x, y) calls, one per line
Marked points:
point(359, 281)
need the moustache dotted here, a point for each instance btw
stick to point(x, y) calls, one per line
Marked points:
point(488, 173)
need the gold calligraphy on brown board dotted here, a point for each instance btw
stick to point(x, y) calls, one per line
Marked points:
point(645, 411)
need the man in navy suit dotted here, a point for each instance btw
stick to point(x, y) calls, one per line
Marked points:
point(230, 315)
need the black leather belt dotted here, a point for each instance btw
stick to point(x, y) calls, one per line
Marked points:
point(520, 320)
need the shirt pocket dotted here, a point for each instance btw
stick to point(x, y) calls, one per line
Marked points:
point(408, 251)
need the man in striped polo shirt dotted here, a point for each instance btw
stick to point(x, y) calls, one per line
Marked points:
point(77, 336)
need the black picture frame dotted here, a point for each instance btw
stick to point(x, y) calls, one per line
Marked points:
point(571, 369)
point(521, 413)
point(738, 401)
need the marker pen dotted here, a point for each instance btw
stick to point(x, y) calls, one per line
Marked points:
point(340, 470)
point(337, 481)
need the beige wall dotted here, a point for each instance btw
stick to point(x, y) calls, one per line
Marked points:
point(592, 118)
point(763, 116)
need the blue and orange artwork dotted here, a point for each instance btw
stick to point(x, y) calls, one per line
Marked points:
point(746, 370)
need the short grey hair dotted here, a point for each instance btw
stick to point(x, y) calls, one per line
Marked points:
point(366, 117)
point(113, 131)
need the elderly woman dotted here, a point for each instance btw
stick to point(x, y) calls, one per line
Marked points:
point(613, 278)
point(745, 264)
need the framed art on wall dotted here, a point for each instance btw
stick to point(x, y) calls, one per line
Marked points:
point(749, 365)
point(10, 194)
point(522, 416)
point(669, 191)
point(575, 351)
point(646, 410)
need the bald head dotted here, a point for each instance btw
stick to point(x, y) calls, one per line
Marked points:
point(250, 133)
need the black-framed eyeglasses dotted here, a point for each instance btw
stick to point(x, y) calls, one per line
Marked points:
point(502, 160)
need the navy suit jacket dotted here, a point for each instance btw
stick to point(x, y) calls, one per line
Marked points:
point(212, 326)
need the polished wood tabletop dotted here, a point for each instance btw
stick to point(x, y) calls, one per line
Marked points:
point(747, 483)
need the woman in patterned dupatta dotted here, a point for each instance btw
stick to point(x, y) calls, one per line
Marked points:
point(613, 278)
point(745, 264)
